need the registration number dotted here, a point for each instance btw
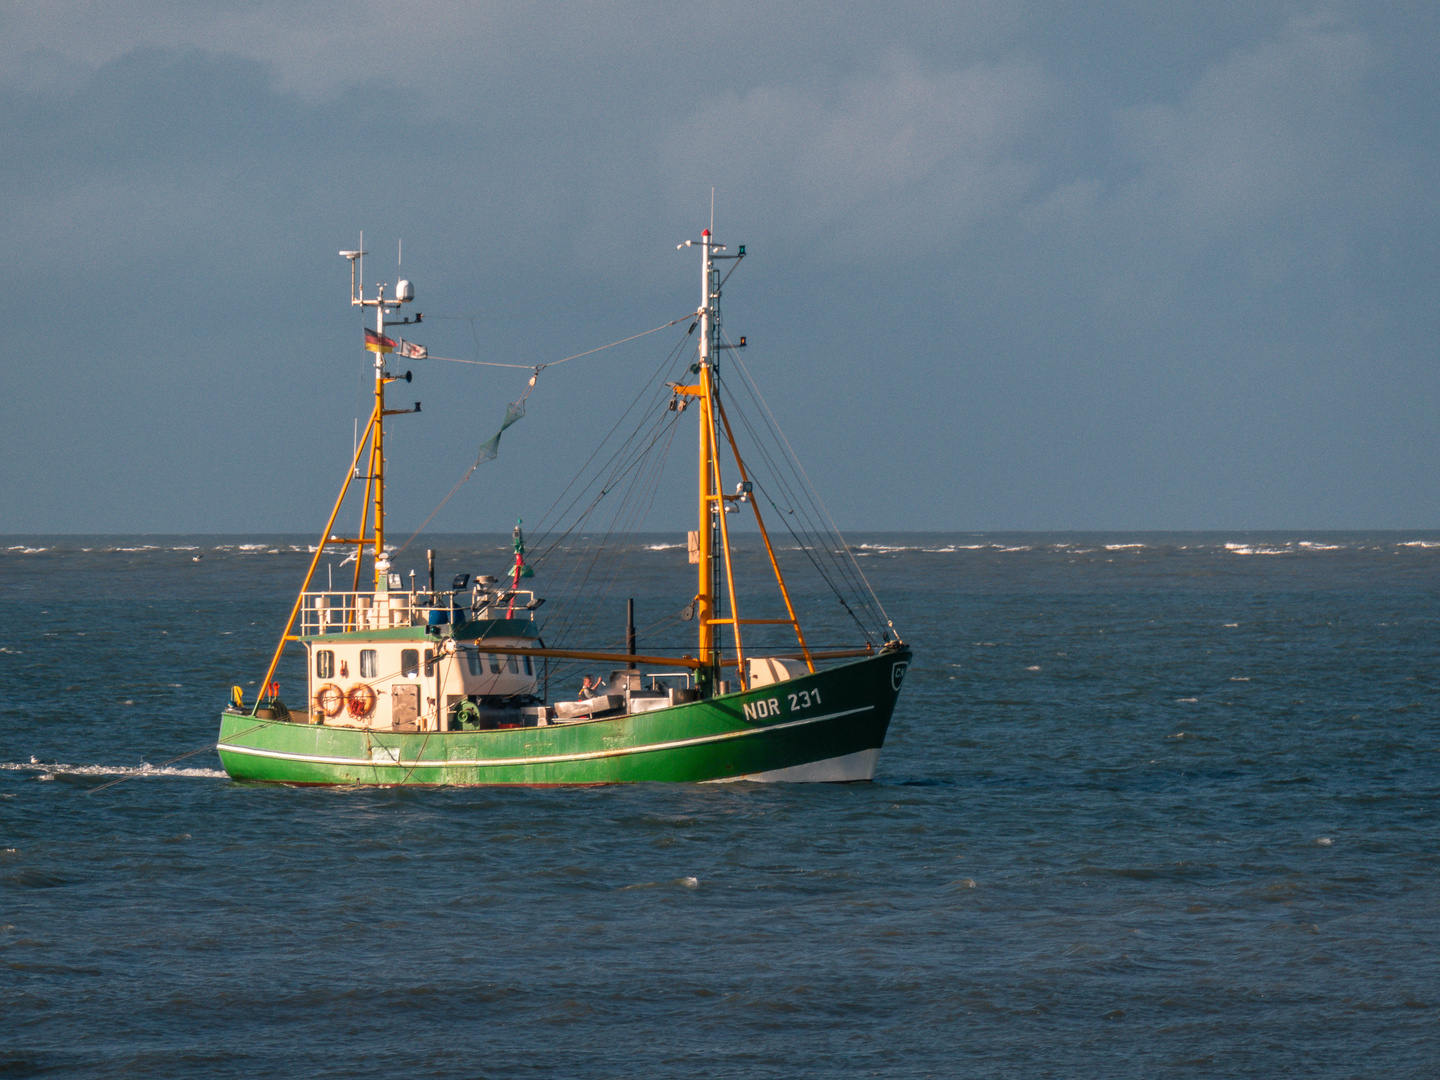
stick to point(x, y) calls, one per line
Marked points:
point(768, 707)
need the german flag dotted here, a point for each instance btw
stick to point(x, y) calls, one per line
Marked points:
point(377, 342)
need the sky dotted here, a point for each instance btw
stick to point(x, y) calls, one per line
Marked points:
point(1017, 265)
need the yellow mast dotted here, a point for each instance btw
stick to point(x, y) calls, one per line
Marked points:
point(377, 454)
point(712, 500)
point(375, 476)
point(709, 638)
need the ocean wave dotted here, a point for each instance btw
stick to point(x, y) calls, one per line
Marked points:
point(1247, 549)
point(1421, 543)
point(663, 547)
point(23, 550)
point(1124, 547)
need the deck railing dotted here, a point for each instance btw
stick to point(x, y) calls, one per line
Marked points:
point(342, 612)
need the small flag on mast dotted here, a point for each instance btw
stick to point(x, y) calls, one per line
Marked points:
point(377, 342)
point(411, 351)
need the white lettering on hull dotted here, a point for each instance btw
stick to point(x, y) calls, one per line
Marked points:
point(763, 709)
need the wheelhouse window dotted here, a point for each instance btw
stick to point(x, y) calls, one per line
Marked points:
point(513, 662)
point(410, 663)
point(324, 664)
point(494, 664)
point(369, 667)
point(429, 662)
point(529, 668)
point(475, 662)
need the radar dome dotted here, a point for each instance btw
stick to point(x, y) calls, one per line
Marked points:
point(404, 291)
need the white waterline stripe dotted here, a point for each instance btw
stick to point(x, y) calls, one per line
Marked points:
point(622, 751)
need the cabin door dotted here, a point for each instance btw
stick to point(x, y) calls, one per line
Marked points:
point(404, 707)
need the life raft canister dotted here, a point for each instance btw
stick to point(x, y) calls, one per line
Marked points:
point(360, 700)
point(330, 699)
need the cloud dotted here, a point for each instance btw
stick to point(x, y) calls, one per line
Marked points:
point(902, 159)
point(1278, 128)
point(1266, 173)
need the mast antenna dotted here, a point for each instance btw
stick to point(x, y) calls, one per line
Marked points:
point(353, 256)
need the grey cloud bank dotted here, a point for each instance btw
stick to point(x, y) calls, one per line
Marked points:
point(1014, 266)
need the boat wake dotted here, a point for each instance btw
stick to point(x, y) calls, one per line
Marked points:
point(49, 770)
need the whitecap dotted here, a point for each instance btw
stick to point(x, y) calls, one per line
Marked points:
point(1124, 547)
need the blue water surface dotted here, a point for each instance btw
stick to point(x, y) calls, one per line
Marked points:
point(1151, 806)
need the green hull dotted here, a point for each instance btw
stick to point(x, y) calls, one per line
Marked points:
point(825, 726)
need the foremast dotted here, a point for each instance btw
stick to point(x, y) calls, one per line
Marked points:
point(370, 444)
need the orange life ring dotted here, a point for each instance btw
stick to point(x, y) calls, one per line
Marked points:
point(360, 700)
point(330, 699)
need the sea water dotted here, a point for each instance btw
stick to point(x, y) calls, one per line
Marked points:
point(1151, 805)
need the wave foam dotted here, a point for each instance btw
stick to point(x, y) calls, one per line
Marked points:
point(53, 768)
point(1247, 549)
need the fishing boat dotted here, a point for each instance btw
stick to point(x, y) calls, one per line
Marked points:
point(414, 685)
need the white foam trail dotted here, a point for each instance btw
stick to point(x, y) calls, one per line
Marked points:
point(52, 768)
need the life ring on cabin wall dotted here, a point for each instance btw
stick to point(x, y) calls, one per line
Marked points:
point(360, 700)
point(330, 699)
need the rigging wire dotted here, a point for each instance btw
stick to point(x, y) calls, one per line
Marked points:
point(481, 456)
point(566, 360)
point(811, 487)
